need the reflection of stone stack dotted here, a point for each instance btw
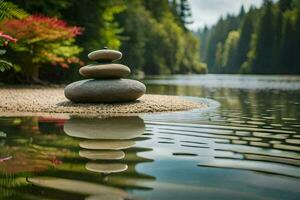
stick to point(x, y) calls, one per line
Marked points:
point(105, 83)
point(105, 140)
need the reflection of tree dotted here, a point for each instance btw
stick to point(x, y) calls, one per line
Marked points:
point(20, 157)
point(22, 160)
point(242, 102)
point(42, 150)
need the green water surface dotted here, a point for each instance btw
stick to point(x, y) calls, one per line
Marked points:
point(245, 146)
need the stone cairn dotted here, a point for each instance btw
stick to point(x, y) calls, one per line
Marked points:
point(105, 83)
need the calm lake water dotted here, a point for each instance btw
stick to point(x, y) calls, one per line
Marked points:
point(245, 146)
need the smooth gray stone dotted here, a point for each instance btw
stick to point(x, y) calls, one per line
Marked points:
point(105, 55)
point(104, 71)
point(104, 91)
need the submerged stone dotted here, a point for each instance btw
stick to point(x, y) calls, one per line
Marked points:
point(104, 91)
point(105, 71)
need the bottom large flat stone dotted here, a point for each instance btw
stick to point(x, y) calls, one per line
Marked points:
point(104, 91)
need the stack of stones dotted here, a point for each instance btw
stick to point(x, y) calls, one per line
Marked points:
point(105, 83)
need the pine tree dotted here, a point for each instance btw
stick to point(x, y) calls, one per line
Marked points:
point(285, 5)
point(133, 39)
point(296, 64)
point(185, 12)
point(157, 8)
point(203, 36)
point(269, 40)
point(242, 12)
point(244, 43)
point(265, 41)
point(229, 52)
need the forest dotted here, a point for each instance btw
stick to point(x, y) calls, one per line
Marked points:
point(50, 39)
point(264, 40)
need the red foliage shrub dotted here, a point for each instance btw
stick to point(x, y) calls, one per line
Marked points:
point(41, 40)
point(7, 38)
point(36, 27)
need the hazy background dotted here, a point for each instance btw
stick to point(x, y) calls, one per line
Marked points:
point(208, 12)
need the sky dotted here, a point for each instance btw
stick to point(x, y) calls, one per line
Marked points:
point(207, 12)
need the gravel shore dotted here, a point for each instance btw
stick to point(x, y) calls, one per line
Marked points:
point(52, 100)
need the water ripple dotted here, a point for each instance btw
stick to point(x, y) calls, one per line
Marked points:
point(264, 150)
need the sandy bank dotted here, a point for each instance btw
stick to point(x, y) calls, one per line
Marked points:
point(52, 100)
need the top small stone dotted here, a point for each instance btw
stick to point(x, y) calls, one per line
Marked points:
point(105, 55)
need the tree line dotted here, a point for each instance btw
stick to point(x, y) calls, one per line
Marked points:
point(151, 34)
point(264, 40)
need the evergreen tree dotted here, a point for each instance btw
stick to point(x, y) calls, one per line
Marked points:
point(247, 30)
point(287, 50)
point(242, 12)
point(157, 8)
point(269, 40)
point(213, 41)
point(265, 41)
point(285, 5)
point(229, 52)
point(296, 64)
point(203, 35)
point(133, 38)
point(185, 12)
